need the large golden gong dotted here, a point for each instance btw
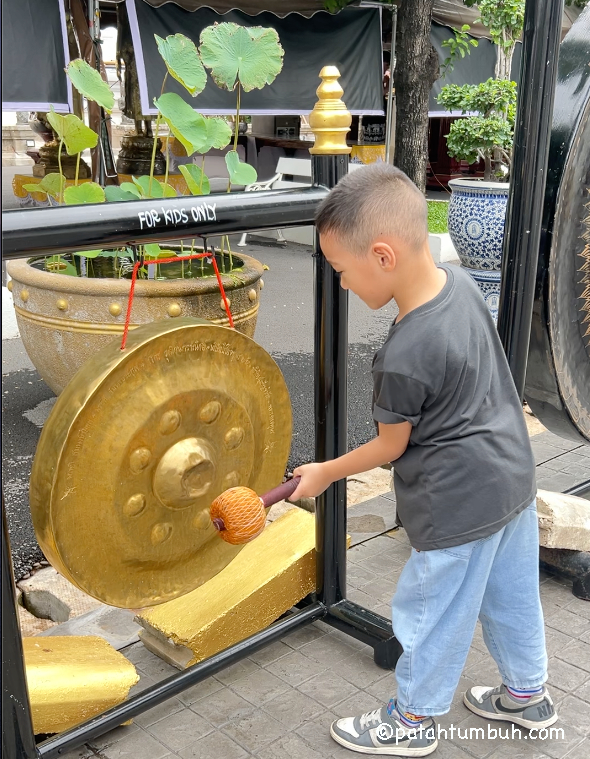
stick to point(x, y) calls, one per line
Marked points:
point(137, 447)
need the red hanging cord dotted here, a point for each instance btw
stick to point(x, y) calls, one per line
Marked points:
point(169, 261)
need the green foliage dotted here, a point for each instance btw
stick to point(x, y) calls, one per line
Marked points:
point(504, 20)
point(90, 84)
point(218, 134)
point(458, 45)
point(438, 211)
point(72, 131)
point(471, 139)
point(51, 184)
point(182, 61)
point(196, 181)
point(251, 56)
point(494, 96)
point(186, 125)
point(88, 192)
point(114, 193)
point(239, 173)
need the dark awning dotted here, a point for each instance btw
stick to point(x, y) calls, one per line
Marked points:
point(350, 40)
point(34, 56)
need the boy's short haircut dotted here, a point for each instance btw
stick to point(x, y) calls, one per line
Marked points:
point(376, 200)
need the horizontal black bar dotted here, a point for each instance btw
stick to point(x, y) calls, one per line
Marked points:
point(47, 231)
point(580, 488)
point(360, 623)
point(76, 736)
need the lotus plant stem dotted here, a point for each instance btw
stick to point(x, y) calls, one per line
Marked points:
point(153, 163)
point(237, 129)
point(77, 168)
point(167, 158)
point(61, 181)
point(202, 173)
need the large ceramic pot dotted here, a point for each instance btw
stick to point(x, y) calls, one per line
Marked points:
point(63, 320)
point(477, 211)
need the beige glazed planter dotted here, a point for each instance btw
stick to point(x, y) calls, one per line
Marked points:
point(64, 320)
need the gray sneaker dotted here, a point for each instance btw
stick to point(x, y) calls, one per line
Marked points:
point(377, 732)
point(497, 703)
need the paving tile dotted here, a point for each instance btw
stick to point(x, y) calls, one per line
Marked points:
point(302, 636)
point(181, 729)
point(316, 733)
point(360, 670)
point(562, 739)
point(328, 688)
point(448, 750)
point(213, 746)
point(362, 599)
point(568, 623)
point(576, 653)
point(196, 692)
point(170, 706)
point(140, 744)
point(575, 713)
point(573, 458)
point(583, 691)
point(518, 749)
point(382, 589)
point(361, 703)
point(558, 482)
point(556, 641)
point(383, 689)
point(295, 668)
point(382, 563)
point(113, 736)
point(557, 591)
point(544, 452)
point(293, 708)
point(290, 747)
point(579, 607)
point(484, 672)
point(581, 751)
point(373, 546)
point(259, 687)
point(479, 737)
point(221, 707)
point(255, 731)
point(84, 752)
point(156, 668)
point(236, 671)
point(327, 650)
point(565, 676)
point(270, 653)
point(357, 645)
point(357, 576)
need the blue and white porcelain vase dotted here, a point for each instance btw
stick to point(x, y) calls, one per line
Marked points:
point(477, 211)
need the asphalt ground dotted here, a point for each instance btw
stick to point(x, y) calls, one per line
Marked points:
point(284, 329)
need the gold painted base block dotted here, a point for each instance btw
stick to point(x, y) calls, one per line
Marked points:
point(72, 679)
point(267, 577)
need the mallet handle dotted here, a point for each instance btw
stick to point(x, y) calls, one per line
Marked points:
point(280, 492)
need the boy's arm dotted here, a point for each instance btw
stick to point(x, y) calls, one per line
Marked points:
point(391, 442)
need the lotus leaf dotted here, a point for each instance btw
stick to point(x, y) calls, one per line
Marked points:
point(182, 61)
point(89, 83)
point(89, 192)
point(197, 182)
point(185, 124)
point(73, 131)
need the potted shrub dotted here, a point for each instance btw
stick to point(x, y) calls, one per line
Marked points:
point(69, 306)
point(477, 208)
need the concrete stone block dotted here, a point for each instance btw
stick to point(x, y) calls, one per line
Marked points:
point(564, 521)
point(31, 625)
point(50, 596)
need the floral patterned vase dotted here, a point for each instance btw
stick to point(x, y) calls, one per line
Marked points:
point(477, 211)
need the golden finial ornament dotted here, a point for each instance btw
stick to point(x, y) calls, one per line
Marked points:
point(330, 120)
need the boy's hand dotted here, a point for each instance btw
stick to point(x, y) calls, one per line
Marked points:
point(314, 480)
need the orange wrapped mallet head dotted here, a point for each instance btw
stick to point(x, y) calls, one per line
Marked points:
point(239, 513)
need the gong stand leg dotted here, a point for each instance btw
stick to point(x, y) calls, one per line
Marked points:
point(18, 739)
point(330, 375)
point(536, 90)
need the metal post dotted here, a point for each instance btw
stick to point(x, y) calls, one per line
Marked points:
point(330, 375)
point(18, 739)
point(538, 71)
point(390, 124)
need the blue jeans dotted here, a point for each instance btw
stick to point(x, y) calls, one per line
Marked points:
point(440, 595)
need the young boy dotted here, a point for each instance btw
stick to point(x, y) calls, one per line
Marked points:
point(449, 418)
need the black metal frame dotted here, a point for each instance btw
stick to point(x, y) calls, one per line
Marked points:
point(46, 231)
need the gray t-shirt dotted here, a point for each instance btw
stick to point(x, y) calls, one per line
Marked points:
point(469, 467)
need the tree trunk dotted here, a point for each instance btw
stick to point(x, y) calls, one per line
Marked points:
point(416, 70)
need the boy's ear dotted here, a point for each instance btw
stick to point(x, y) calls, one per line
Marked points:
point(385, 256)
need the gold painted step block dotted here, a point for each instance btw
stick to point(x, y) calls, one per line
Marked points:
point(269, 576)
point(72, 679)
